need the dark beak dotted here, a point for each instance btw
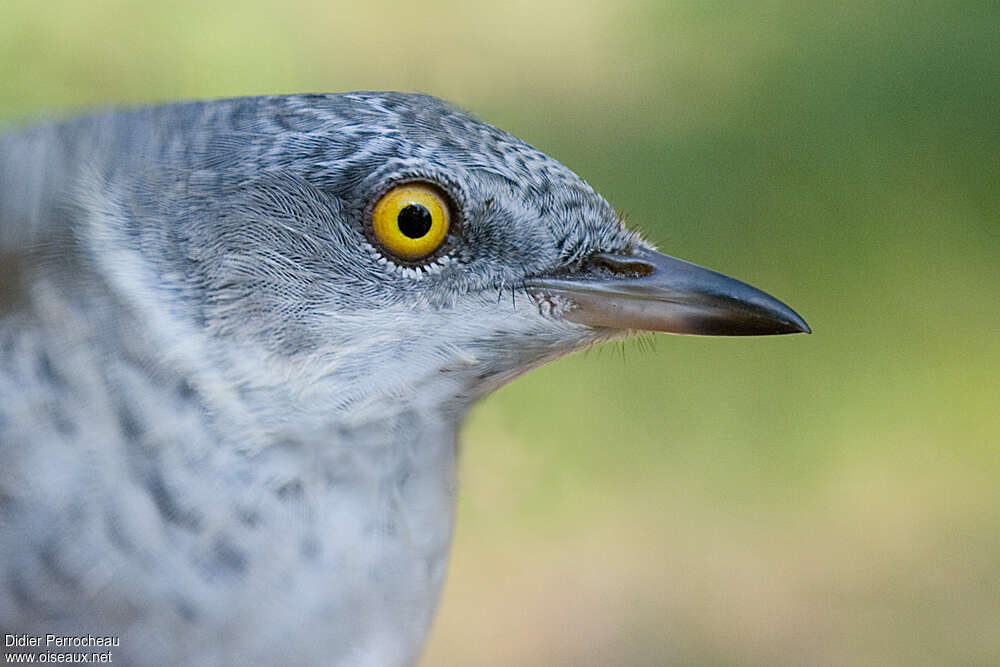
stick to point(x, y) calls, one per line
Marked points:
point(649, 291)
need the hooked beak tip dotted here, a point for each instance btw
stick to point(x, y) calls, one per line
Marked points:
point(650, 291)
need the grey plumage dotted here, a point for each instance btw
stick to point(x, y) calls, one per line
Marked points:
point(227, 416)
point(227, 421)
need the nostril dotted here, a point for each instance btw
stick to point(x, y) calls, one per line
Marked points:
point(632, 267)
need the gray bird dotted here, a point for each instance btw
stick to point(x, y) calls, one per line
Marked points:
point(237, 339)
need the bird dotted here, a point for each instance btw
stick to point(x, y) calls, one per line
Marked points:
point(237, 340)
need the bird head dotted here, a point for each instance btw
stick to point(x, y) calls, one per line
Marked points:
point(379, 245)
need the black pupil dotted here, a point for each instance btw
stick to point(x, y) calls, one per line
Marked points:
point(414, 221)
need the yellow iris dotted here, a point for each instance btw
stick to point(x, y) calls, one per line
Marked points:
point(410, 221)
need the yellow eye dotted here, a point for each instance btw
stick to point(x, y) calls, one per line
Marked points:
point(411, 221)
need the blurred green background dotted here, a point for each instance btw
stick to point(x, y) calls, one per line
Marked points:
point(824, 499)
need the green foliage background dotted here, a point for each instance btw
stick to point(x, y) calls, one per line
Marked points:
point(824, 499)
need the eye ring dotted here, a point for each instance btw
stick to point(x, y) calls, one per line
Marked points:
point(411, 221)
